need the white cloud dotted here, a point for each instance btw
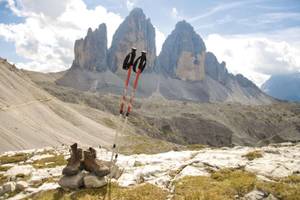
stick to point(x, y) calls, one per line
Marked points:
point(174, 13)
point(47, 36)
point(160, 38)
point(130, 4)
point(217, 9)
point(256, 57)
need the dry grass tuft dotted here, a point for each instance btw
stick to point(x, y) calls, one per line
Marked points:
point(253, 155)
point(145, 192)
point(51, 162)
point(19, 157)
point(222, 185)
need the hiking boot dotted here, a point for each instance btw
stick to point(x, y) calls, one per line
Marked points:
point(94, 165)
point(74, 162)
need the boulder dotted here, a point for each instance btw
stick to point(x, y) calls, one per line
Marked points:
point(92, 181)
point(1, 191)
point(116, 172)
point(72, 182)
point(21, 185)
point(26, 170)
point(255, 195)
point(271, 197)
point(9, 187)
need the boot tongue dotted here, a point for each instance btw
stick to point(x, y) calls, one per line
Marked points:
point(74, 146)
point(93, 152)
point(87, 155)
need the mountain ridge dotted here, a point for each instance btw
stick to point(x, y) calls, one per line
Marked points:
point(183, 70)
point(283, 87)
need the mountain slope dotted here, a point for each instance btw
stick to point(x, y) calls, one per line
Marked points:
point(186, 122)
point(30, 117)
point(284, 87)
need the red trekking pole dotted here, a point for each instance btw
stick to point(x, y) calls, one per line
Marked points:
point(127, 65)
point(138, 67)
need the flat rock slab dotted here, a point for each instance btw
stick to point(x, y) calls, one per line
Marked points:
point(21, 185)
point(255, 195)
point(9, 187)
point(92, 181)
point(20, 169)
point(72, 182)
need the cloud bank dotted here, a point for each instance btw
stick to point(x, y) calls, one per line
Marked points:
point(50, 28)
point(256, 57)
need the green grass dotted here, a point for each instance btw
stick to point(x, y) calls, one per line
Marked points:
point(51, 162)
point(4, 168)
point(226, 184)
point(196, 147)
point(253, 155)
point(46, 180)
point(109, 123)
point(137, 144)
point(222, 185)
point(145, 192)
point(287, 188)
point(3, 179)
point(19, 157)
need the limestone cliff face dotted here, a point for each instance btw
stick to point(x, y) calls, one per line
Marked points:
point(91, 52)
point(136, 31)
point(214, 69)
point(183, 54)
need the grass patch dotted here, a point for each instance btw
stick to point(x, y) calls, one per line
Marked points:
point(287, 188)
point(46, 180)
point(253, 155)
point(145, 192)
point(137, 144)
point(196, 147)
point(4, 168)
point(222, 185)
point(3, 179)
point(19, 157)
point(51, 162)
point(22, 177)
point(109, 123)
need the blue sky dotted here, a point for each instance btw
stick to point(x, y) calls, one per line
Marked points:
point(257, 38)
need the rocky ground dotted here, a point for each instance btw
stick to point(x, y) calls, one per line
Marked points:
point(270, 172)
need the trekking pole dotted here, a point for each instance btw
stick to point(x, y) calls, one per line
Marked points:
point(127, 65)
point(138, 67)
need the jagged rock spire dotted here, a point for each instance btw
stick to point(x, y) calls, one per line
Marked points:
point(183, 54)
point(135, 31)
point(91, 52)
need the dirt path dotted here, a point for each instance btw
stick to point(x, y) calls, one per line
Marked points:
point(9, 107)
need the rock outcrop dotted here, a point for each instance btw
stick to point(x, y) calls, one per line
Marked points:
point(214, 69)
point(224, 169)
point(136, 30)
point(183, 54)
point(91, 52)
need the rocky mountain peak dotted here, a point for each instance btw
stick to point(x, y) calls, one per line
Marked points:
point(136, 30)
point(184, 26)
point(183, 54)
point(91, 52)
point(137, 13)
